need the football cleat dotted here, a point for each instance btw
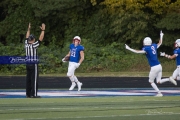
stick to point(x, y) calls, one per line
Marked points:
point(172, 81)
point(159, 95)
point(72, 86)
point(79, 86)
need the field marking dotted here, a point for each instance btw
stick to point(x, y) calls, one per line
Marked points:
point(104, 116)
point(90, 108)
point(75, 108)
point(86, 93)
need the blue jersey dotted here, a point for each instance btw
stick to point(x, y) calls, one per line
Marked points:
point(75, 52)
point(151, 54)
point(177, 51)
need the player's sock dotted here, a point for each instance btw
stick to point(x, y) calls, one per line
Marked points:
point(164, 80)
point(178, 78)
point(78, 83)
point(155, 87)
point(75, 79)
point(72, 79)
point(73, 83)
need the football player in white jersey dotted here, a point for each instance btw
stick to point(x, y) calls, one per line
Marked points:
point(76, 55)
point(156, 69)
point(176, 56)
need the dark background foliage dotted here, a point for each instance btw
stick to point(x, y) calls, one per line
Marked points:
point(104, 26)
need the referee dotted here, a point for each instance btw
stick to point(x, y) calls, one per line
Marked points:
point(32, 74)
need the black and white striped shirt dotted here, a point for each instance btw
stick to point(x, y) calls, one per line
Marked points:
point(31, 49)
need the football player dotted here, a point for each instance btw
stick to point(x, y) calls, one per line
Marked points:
point(156, 69)
point(76, 57)
point(176, 56)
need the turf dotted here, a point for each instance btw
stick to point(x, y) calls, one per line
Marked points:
point(91, 108)
point(100, 74)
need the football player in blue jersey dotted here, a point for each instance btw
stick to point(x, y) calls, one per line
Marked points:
point(156, 69)
point(176, 56)
point(76, 55)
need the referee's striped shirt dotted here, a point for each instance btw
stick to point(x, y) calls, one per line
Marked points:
point(31, 50)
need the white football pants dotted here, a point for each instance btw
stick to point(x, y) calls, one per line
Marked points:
point(155, 72)
point(176, 73)
point(71, 69)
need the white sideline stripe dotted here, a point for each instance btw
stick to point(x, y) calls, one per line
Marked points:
point(171, 113)
point(62, 93)
point(76, 108)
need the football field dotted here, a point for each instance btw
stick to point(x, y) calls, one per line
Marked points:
point(91, 104)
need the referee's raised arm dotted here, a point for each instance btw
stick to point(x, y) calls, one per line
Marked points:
point(42, 31)
point(28, 30)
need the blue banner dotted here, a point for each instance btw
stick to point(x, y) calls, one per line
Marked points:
point(18, 60)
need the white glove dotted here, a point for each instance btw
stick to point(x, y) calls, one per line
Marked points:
point(63, 60)
point(77, 65)
point(162, 53)
point(127, 47)
point(161, 34)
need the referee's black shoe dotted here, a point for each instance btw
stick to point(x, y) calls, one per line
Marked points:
point(35, 96)
point(28, 96)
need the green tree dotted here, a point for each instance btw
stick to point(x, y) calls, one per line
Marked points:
point(170, 22)
point(17, 14)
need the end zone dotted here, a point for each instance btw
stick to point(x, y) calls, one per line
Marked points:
point(58, 93)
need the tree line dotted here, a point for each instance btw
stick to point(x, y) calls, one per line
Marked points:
point(106, 25)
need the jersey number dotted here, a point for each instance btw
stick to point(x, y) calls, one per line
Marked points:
point(153, 50)
point(73, 52)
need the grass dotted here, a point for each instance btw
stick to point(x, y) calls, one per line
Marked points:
point(91, 108)
point(102, 74)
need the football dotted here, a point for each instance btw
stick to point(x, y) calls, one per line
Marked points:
point(66, 58)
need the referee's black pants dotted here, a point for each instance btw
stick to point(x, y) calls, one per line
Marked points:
point(32, 77)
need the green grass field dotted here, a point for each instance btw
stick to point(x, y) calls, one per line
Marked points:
point(101, 74)
point(91, 108)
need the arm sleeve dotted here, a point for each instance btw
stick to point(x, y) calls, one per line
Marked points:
point(137, 51)
point(70, 46)
point(158, 45)
point(142, 51)
point(82, 48)
point(175, 53)
point(160, 41)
